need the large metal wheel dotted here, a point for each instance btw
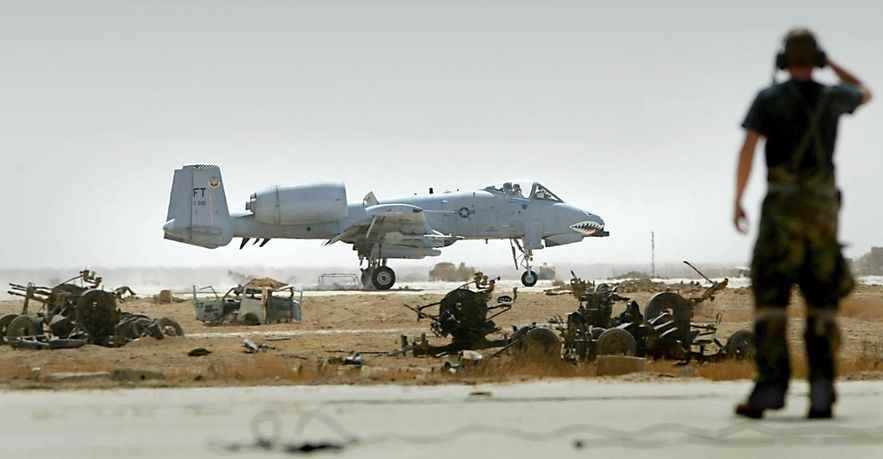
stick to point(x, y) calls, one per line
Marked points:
point(678, 306)
point(529, 278)
point(616, 341)
point(383, 278)
point(170, 327)
point(680, 309)
point(741, 345)
point(5, 320)
point(540, 343)
point(24, 325)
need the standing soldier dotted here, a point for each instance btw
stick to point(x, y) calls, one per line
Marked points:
point(797, 240)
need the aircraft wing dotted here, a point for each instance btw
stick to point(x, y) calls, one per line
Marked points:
point(395, 224)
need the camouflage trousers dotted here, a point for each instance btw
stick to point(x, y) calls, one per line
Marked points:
point(797, 244)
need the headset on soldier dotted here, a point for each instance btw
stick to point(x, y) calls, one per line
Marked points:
point(805, 44)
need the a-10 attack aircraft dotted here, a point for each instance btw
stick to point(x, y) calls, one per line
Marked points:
point(529, 215)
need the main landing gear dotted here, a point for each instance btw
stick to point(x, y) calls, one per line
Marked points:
point(523, 258)
point(378, 276)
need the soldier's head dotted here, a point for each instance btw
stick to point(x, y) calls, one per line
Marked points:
point(800, 52)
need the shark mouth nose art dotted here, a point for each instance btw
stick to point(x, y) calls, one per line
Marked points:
point(587, 228)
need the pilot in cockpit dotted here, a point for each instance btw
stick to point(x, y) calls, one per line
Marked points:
point(516, 190)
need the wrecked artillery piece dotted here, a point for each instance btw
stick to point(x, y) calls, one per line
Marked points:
point(260, 301)
point(465, 316)
point(72, 315)
point(664, 330)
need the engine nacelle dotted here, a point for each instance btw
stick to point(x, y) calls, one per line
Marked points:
point(299, 205)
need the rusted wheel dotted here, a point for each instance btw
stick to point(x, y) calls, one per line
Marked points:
point(250, 319)
point(681, 311)
point(671, 302)
point(170, 327)
point(5, 320)
point(741, 345)
point(538, 343)
point(616, 341)
point(24, 325)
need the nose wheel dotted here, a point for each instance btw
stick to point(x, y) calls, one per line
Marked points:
point(529, 278)
point(523, 258)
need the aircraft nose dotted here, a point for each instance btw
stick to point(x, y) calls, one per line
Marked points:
point(589, 225)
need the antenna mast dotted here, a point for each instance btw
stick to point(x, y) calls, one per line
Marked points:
point(652, 254)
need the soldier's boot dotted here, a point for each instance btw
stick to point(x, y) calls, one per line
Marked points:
point(773, 365)
point(822, 338)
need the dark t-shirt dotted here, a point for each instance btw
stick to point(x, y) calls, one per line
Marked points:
point(779, 113)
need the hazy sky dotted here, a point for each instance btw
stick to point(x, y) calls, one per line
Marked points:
point(631, 112)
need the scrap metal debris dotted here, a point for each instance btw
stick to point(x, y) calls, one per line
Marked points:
point(250, 347)
point(664, 330)
point(75, 312)
point(199, 352)
point(465, 316)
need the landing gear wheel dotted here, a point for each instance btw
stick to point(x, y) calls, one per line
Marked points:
point(741, 345)
point(529, 278)
point(383, 278)
point(616, 341)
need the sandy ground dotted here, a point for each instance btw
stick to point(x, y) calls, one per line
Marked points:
point(337, 325)
point(562, 418)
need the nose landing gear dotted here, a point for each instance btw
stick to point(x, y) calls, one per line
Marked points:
point(523, 258)
point(529, 278)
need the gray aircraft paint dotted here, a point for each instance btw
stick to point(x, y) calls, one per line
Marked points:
point(412, 227)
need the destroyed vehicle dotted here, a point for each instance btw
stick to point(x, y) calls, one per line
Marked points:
point(665, 330)
point(77, 311)
point(466, 316)
point(254, 303)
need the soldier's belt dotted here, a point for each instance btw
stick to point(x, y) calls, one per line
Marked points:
point(822, 191)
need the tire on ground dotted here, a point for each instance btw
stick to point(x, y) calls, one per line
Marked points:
point(741, 345)
point(5, 320)
point(24, 325)
point(250, 319)
point(681, 312)
point(170, 327)
point(538, 343)
point(616, 341)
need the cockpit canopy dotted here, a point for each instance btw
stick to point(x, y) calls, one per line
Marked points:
point(519, 188)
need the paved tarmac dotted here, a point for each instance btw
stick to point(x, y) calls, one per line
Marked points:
point(557, 419)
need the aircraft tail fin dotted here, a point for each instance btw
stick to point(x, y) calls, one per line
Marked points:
point(198, 212)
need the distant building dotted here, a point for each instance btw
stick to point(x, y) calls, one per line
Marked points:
point(547, 272)
point(869, 264)
point(448, 272)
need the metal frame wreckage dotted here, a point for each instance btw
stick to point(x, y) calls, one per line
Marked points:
point(77, 312)
point(665, 330)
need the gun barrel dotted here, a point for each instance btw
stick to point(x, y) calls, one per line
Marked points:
point(697, 271)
